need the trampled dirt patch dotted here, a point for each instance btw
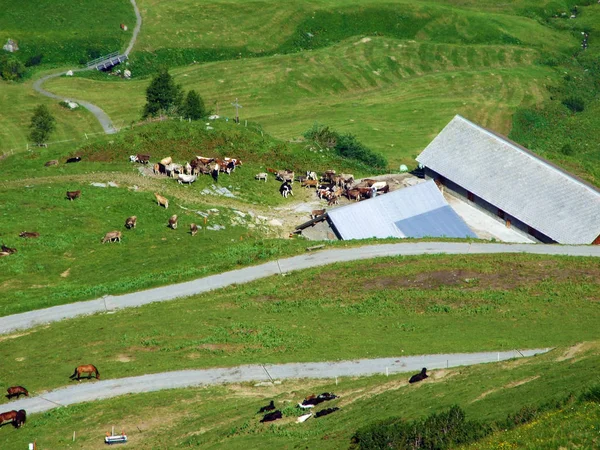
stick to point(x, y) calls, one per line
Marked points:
point(507, 386)
point(575, 350)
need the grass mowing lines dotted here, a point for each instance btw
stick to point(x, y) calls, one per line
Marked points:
point(399, 306)
point(225, 416)
point(378, 89)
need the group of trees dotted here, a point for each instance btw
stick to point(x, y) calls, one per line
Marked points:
point(163, 96)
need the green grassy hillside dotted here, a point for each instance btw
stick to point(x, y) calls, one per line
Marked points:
point(225, 416)
point(388, 307)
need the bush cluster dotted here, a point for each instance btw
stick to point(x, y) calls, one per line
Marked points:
point(437, 431)
point(11, 69)
point(345, 145)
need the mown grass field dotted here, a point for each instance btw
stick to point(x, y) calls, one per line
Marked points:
point(394, 95)
point(388, 307)
point(225, 416)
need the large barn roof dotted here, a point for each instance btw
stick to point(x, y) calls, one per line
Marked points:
point(510, 177)
point(416, 211)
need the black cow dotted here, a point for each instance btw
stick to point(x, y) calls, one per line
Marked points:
point(326, 411)
point(74, 160)
point(270, 417)
point(419, 377)
point(285, 189)
point(269, 407)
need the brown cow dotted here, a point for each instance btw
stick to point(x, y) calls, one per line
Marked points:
point(316, 213)
point(353, 194)
point(131, 222)
point(204, 160)
point(112, 236)
point(72, 195)
point(29, 234)
point(142, 159)
point(173, 222)
point(309, 183)
point(161, 201)
point(16, 391)
point(193, 229)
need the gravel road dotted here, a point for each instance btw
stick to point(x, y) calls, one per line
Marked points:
point(87, 391)
point(29, 319)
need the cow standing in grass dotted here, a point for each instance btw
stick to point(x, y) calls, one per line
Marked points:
point(193, 229)
point(161, 201)
point(131, 222)
point(112, 236)
point(173, 222)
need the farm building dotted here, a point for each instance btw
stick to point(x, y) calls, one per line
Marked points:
point(513, 184)
point(417, 211)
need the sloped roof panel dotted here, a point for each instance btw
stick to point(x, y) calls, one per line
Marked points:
point(377, 217)
point(440, 222)
point(513, 179)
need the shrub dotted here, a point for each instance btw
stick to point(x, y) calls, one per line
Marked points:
point(575, 104)
point(11, 69)
point(193, 106)
point(42, 124)
point(591, 395)
point(34, 60)
point(567, 150)
point(163, 96)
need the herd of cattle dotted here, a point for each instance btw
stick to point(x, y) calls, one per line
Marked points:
point(328, 186)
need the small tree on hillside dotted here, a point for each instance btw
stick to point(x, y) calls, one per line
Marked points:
point(42, 124)
point(163, 96)
point(193, 106)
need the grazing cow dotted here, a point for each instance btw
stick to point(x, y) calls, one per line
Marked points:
point(419, 377)
point(270, 170)
point(72, 195)
point(142, 159)
point(226, 166)
point(131, 222)
point(16, 391)
point(112, 236)
point(20, 418)
point(286, 189)
point(29, 234)
point(204, 160)
point(157, 168)
point(183, 178)
point(187, 169)
point(309, 183)
point(333, 200)
point(353, 194)
point(87, 368)
point(316, 213)
point(326, 411)
point(161, 201)
point(270, 417)
point(269, 407)
point(313, 400)
point(261, 176)
point(215, 173)
point(74, 159)
point(166, 161)
point(311, 175)
point(285, 175)
point(365, 192)
point(328, 175)
point(53, 162)
point(236, 161)
point(173, 222)
point(193, 229)
point(132, 158)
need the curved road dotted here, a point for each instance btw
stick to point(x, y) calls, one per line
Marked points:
point(85, 392)
point(102, 117)
point(29, 319)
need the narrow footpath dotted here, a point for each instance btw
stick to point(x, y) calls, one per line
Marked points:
point(87, 391)
point(102, 117)
point(30, 319)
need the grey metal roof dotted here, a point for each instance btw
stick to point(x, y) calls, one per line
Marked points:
point(408, 212)
point(510, 177)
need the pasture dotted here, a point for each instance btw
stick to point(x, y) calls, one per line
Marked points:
point(395, 95)
point(225, 416)
point(380, 308)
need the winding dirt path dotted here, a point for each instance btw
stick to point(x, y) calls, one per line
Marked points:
point(102, 117)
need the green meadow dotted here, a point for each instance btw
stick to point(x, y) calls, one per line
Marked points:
point(226, 416)
point(383, 308)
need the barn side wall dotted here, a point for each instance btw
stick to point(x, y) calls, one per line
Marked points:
point(488, 208)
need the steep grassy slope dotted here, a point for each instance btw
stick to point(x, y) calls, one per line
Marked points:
point(388, 307)
point(225, 416)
